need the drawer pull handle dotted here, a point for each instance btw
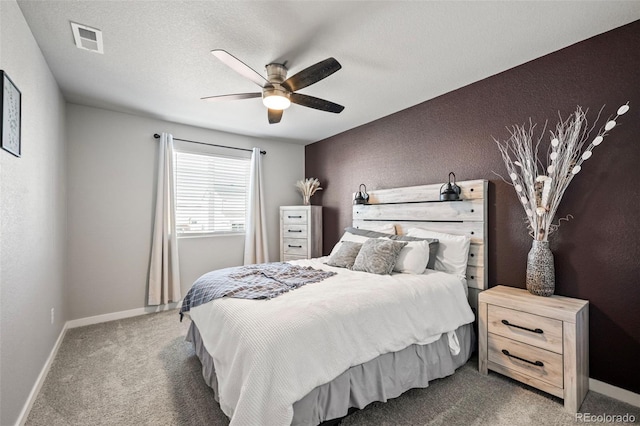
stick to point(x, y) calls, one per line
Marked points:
point(294, 246)
point(294, 230)
point(537, 330)
point(536, 363)
point(294, 217)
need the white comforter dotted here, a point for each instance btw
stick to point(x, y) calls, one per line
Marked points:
point(268, 354)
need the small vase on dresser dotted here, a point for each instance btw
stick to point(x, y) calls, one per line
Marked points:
point(540, 270)
point(300, 232)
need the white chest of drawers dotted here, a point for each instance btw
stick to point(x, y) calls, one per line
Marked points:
point(540, 341)
point(300, 232)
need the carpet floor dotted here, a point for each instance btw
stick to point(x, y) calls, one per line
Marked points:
point(140, 371)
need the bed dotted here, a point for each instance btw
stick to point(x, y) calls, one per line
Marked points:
point(312, 354)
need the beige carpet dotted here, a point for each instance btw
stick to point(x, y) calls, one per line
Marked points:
point(140, 371)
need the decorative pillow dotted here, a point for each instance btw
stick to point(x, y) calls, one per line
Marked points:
point(433, 242)
point(378, 256)
point(370, 233)
point(453, 250)
point(348, 236)
point(346, 255)
point(433, 247)
point(388, 228)
point(413, 258)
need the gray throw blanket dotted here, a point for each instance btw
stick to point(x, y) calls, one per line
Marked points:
point(262, 281)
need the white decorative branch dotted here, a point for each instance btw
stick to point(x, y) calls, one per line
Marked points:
point(540, 184)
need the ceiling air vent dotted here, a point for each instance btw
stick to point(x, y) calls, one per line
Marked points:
point(87, 38)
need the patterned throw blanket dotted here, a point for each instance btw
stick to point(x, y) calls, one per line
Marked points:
point(262, 281)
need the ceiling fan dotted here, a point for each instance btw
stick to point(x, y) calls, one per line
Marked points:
point(278, 91)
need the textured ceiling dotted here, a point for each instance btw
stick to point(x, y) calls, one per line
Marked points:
point(394, 54)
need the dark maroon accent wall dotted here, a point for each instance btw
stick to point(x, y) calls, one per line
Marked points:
point(597, 254)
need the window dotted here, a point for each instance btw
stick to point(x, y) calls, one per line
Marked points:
point(211, 193)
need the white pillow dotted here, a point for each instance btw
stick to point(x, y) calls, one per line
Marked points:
point(348, 236)
point(453, 250)
point(413, 258)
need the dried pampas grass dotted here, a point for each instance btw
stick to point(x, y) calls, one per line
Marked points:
point(307, 188)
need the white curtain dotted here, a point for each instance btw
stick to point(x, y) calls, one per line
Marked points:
point(255, 243)
point(164, 274)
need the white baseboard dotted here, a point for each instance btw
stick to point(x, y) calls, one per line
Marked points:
point(22, 417)
point(614, 392)
point(81, 322)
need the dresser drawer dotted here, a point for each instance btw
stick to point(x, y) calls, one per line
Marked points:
point(294, 231)
point(294, 246)
point(287, 257)
point(506, 352)
point(536, 330)
point(297, 217)
point(300, 232)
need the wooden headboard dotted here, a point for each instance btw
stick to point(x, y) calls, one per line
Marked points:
point(419, 207)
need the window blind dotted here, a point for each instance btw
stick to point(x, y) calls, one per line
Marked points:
point(211, 193)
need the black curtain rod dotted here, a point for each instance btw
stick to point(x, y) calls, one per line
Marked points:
point(157, 136)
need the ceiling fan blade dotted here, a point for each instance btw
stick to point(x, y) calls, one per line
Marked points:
point(275, 115)
point(240, 67)
point(312, 74)
point(317, 103)
point(233, 97)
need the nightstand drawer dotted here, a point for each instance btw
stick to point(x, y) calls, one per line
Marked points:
point(298, 217)
point(529, 360)
point(536, 330)
point(294, 231)
point(294, 246)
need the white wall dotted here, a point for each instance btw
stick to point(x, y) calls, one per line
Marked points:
point(111, 190)
point(32, 219)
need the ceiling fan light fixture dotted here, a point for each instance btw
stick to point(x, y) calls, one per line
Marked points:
point(276, 100)
point(278, 91)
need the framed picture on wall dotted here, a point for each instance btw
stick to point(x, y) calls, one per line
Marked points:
point(11, 100)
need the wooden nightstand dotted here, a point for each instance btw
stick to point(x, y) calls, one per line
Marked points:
point(540, 341)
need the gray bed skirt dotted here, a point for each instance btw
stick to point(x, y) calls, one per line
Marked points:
point(380, 379)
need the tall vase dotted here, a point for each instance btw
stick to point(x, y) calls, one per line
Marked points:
point(541, 279)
